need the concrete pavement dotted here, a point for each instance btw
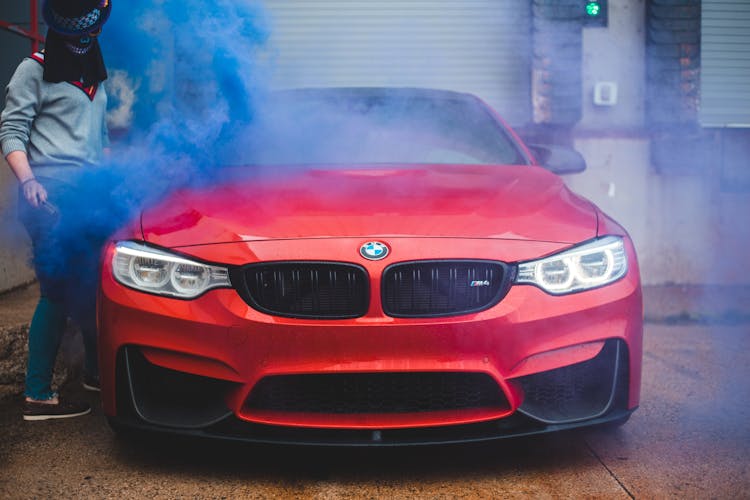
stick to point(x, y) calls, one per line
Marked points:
point(689, 439)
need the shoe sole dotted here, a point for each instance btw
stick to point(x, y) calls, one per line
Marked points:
point(91, 388)
point(34, 418)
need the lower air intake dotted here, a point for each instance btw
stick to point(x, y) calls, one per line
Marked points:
point(353, 393)
point(580, 391)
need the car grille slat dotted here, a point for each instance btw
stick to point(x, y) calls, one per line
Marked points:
point(351, 393)
point(324, 290)
point(443, 288)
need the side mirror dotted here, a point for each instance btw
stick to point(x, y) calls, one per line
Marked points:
point(558, 159)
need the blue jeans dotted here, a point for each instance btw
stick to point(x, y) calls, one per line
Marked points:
point(67, 282)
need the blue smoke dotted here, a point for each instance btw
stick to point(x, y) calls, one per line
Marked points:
point(193, 63)
point(184, 75)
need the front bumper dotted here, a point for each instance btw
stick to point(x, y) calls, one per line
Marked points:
point(195, 367)
point(151, 398)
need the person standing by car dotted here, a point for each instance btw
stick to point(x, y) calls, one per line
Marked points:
point(53, 125)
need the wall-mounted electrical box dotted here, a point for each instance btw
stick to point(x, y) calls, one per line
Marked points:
point(605, 93)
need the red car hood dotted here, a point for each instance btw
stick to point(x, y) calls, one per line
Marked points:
point(510, 202)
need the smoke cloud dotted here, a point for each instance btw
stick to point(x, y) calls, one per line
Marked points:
point(121, 91)
point(182, 80)
point(184, 73)
point(188, 92)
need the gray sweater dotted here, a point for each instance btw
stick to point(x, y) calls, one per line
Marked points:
point(57, 124)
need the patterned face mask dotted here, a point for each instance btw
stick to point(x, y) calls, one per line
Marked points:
point(72, 52)
point(82, 44)
point(79, 32)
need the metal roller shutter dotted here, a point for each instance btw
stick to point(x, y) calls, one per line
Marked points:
point(477, 46)
point(725, 63)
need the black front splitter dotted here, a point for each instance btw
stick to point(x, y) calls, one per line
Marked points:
point(233, 429)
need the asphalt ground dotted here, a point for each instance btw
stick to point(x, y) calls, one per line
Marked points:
point(689, 439)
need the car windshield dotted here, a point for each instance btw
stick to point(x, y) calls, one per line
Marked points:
point(324, 127)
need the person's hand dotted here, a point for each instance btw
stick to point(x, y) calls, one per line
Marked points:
point(34, 192)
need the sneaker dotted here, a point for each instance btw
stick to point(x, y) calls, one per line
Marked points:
point(91, 383)
point(63, 409)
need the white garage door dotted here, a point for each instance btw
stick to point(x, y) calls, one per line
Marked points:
point(725, 63)
point(477, 46)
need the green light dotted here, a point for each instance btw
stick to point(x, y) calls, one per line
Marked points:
point(593, 8)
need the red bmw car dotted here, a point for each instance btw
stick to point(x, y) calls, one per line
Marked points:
point(383, 267)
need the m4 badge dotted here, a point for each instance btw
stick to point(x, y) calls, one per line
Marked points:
point(477, 283)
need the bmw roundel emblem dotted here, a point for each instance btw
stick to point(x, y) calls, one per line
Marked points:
point(373, 250)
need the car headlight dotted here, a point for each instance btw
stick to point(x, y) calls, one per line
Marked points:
point(591, 265)
point(156, 271)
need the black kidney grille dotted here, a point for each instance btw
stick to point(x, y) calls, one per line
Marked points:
point(376, 393)
point(306, 289)
point(443, 288)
